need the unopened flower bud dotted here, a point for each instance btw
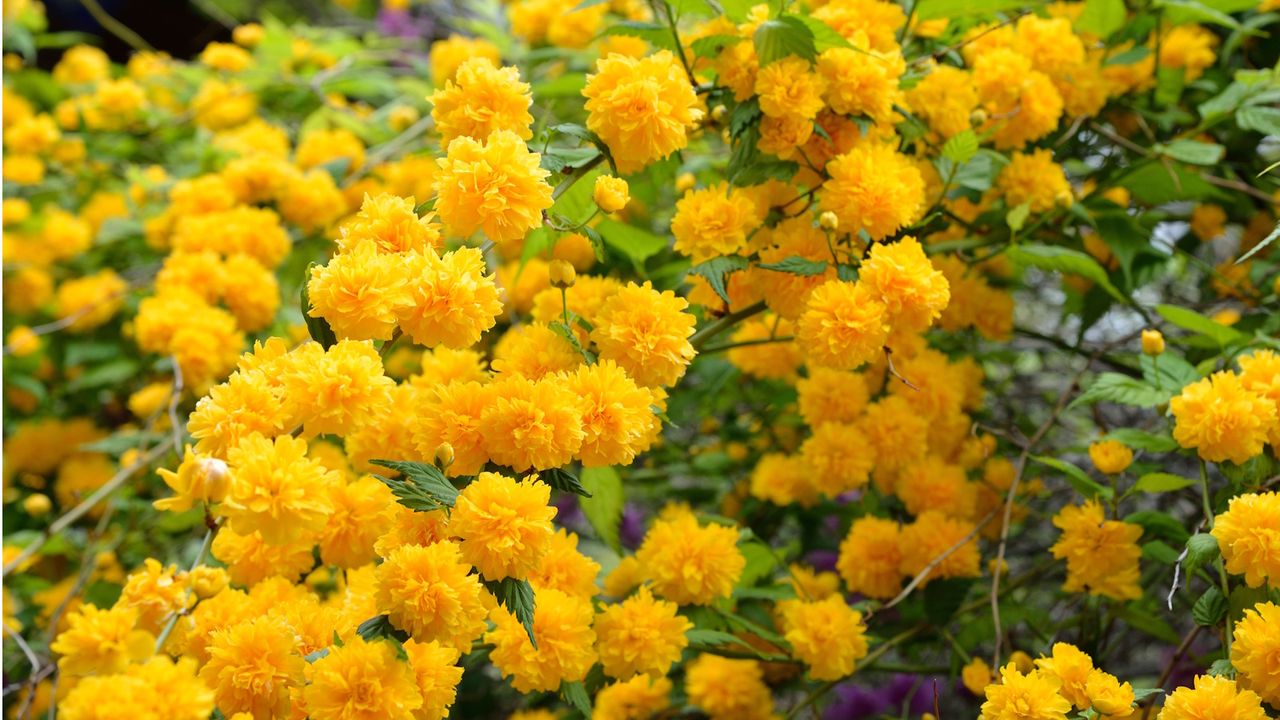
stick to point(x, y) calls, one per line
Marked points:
point(402, 116)
point(828, 221)
point(1152, 342)
point(444, 453)
point(207, 581)
point(685, 182)
point(214, 476)
point(37, 504)
point(1064, 198)
point(978, 117)
point(718, 113)
point(562, 275)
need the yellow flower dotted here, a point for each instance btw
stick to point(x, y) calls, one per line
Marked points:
point(360, 680)
point(870, 559)
point(976, 675)
point(409, 527)
point(640, 697)
point(861, 82)
point(435, 668)
point(1034, 179)
point(392, 223)
point(1102, 555)
point(101, 642)
point(929, 537)
point(156, 592)
point(1152, 342)
point(505, 526)
point(1189, 47)
point(944, 99)
point(1021, 104)
point(454, 416)
point(714, 221)
point(429, 593)
point(728, 689)
point(249, 559)
point(828, 635)
point(641, 635)
point(1032, 696)
point(356, 522)
point(1072, 668)
point(932, 483)
point(688, 563)
point(610, 193)
point(207, 581)
point(828, 395)
point(643, 108)
point(1108, 696)
point(1248, 536)
point(360, 292)
point(875, 20)
point(492, 184)
point(646, 332)
point(90, 301)
point(246, 403)
point(453, 301)
point(532, 424)
point(482, 99)
point(1260, 374)
point(789, 87)
point(1256, 651)
point(1110, 456)
point(220, 105)
point(320, 147)
point(784, 479)
point(617, 415)
point(1212, 698)
point(276, 490)
point(252, 667)
point(534, 351)
point(1221, 419)
point(874, 188)
point(844, 325)
point(566, 643)
point(82, 64)
point(336, 390)
point(913, 291)
point(22, 341)
point(448, 54)
point(837, 464)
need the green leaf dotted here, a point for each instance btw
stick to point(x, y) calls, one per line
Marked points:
point(1169, 84)
point(576, 204)
point(717, 271)
point(797, 265)
point(712, 638)
point(1270, 238)
point(120, 442)
point(952, 9)
point(575, 694)
point(563, 481)
point(603, 507)
point(1140, 694)
point(1142, 440)
point(1159, 482)
point(1017, 217)
point(1153, 183)
point(565, 86)
point(380, 627)
point(1101, 17)
point(1159, 524)
point(1185, 11)
point(760, 562)
point(942, 598)
point(1065, 260)
point(420, 487)
point(1150, 623)
point(1210, 609)
point(1129, 57)
point(1083, 484)
point(1194, 322)
point(656, 35)
point(1201, 548)
point(1222, 667)
point(961, 147)
point(1265, 120)
point(1168, 371)
point(1193, 151)
point(111, 373)
point(636, 244)
point(782, 37)
point(711, 45)
point(317, 655)
point(317, 327)
point(516, 596)
point(743, 116)
point(1121, 390)
point(116, 229)
point(825, 37)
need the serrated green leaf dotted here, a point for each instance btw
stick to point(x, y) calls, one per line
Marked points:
point(716, 271)
point(564, 481)
point(797, 265)
point(380, 627)
point(575, 694)
point(1142, 440)
point(1193, 151)
point(1121, 390)
point(603, 507)
point(518, 597)
point(1222, 667)
point(636, 244)
point(420, 487)
point(1201, 548)
point(782, 37)
point(1101, 17)
point(1265, 120)
point(712, 638)
point(825, 37)
point(1083, 484)
point(1210, 609)
point(961, 147)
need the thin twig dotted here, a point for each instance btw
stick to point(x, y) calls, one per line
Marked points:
point(115, 27)
point(701, 337)
point(175, 396)
point(934, 563)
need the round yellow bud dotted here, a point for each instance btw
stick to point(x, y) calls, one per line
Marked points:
point(611, 193)
point(562, 274)
point(829, 221)
point(718, 113)
point(685, 182)
point(22, 341)
point(207, 581)
point(248, 35)
point(978, 117)
point(1064, 198)
point(1152, 342)
point(402, 116)
point(12, 62)
point(37, 504)
point(444, 453)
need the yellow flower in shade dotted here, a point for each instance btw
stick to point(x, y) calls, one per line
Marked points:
point(784, 479)
point(207, 581)
point(1221, 419)
point(1109, 697)
point(335, 391)
point(976, 675)
point(276, 490)
point(688, 563)
point(1102, 555)
point(199, 479)
point(101, 642)
point(828, 395)
point(873, 188)
point(828, 635)
point(640, 697)
point(482, 99)
point(356, 523)
point(728, 689)
point(156, 592)
point(452, 300)
point(410, 527)
point(1256, 651)
point(253, 666)
point(245, 404)
point(1110, 456)
point(534, 351)
point(1033, 696)
point(837, 464)
point(392, 224)
point(1248, 536)
point(225, 57)
point(159, 688)
point(626, 576)
point(90, 301)
point(929, 537)
point(944, 99)
point(360, 292)
point(505, 526)
point(1071, 668)
point(844, 326)
point(492, 184)
point(319, 147)
point(448, 54)
point(643, 108)
point(435, 668)
point(250, 560)
point(640, 635)
point(566, 643)
point(532, 424)
point(428, 592)
point(1035, 179)
point(646, 333)
point(913, 291)
point(932, 483)
point(565, 569)
point(1260, 374)
point(870, 559)
point(362, 681)
point(714, 221)
point(790, 87)
point(1189, 47)
point(617, 415)
point(859, 82)
point(1212, 698)
point(610, 193)
point(453, 415)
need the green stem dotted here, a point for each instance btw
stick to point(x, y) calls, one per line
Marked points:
point(701, 337)
point(1229, 631)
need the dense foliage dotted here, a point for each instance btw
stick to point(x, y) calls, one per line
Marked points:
point(690, 358)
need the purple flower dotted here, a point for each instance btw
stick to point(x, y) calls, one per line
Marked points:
point(631, 530)
point(400, 23)
point(854, 702)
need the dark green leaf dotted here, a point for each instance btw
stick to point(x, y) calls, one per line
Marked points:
point(563, 481)
point(1083, 484)
point(1168, 371)
point(1065, 260)
point(1192, 321)
point(942, 598)
point(420, 487)
point(1159, 524)
point(603, 506)
point(1142, 440)
point(797, 265)
point(317, 327)
point(111, 373)
point(712, 638)
point(1150, 623)
point(516, 596)
point(716, 271)
point(1210, 609)
point(377, 628)
point(575, 693)
point(1121, 390)
point(1201, 548)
